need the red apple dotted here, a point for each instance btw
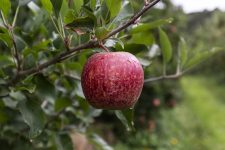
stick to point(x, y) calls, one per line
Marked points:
point(112, 80)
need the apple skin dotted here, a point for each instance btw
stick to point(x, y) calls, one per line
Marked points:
point(112, 80)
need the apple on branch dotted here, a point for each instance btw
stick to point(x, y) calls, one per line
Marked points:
point(112, 80)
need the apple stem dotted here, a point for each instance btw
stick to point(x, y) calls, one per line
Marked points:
point(101, 45)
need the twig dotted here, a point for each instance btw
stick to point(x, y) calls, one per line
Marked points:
point(54, 60)
point(175, 76)
point(90, 44)
point(10, 28)
point(132, 19)
point(16, 53)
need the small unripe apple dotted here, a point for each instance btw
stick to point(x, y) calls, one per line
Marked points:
point(156, 102)
point(112, 80)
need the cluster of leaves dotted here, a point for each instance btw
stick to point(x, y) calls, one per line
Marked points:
point(43, 108)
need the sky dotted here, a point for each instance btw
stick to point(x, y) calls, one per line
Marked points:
point(200, 5)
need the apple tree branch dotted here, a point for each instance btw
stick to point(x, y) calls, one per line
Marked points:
point(91, 44)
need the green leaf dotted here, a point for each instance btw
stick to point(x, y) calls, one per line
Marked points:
point(38, 47)
point(101, 32)
point(45, 88)
point(18, 96)
point(24, 2)
point(79, 91)
point(93, 4)
point(30, 88)
point(103, 13)
point(74, 66)
point(83, 22)
point(69, 17)
point(83, 104)
point(47, 5)
point(113, 41)
point(145, 38)
point(77, 5)
point(33, 116)
point(27, 51)
point(64, 8)
point(34, 7)
point(3, 91)
point(20, 43)
point(3, 116)
point(126, 12)
point(43, 45)
point(89, 13)
point(183, 51)
point(165, 45)
point(62, 103)
point(132, 48)
point(57, 4)
point(3, 30)
point(27, 85)
point(148, 26)
point(63, 142)
point(5, 6)
point(99, 143)
point(86, 113)
point(126, 117)
point(201, 56)
point(5, 61)
point(144, 62)
point(114, 6)
point(5, 37)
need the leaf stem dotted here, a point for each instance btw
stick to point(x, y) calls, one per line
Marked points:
point(16, 52)
point(164, 69)
point(174, 76)
point(4, 20)
point(62, 27)
point(57, 29)
point(15, 16)
point(101, 45)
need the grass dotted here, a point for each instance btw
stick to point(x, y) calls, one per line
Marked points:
point(205, 101)
point(198, 122)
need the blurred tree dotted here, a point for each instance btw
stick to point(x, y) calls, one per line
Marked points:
point(202, 34)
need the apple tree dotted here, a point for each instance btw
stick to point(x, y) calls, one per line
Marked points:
point(44, 46)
